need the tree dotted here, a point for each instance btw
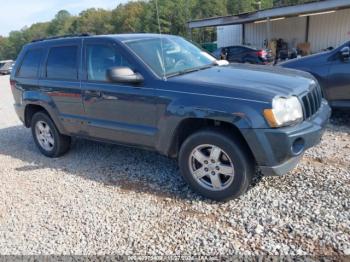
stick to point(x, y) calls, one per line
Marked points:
point(36, 31)
point(129, 18)
point(290, 2)
point(238, 6)
point(14, 45)
point(94, 21)
point(60, 24)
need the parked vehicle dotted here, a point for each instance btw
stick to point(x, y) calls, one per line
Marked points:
point(222, 122)
point(11, 67)
point(6, 67)
point(332, 70)
point(244, 54)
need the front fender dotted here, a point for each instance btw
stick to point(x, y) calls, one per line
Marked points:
point(241, 114)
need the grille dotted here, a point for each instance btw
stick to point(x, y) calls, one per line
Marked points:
point(312, 101)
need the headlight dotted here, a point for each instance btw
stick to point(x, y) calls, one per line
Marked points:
point(285, 111)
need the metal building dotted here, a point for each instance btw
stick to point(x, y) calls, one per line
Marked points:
point(322, 24)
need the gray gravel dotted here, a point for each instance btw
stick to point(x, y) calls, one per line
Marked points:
point(104, 199)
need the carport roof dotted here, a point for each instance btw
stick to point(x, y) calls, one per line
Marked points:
point(313, 7)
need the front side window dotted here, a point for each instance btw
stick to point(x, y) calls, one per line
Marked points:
point(169, 56)
point(100, 58)
point(62, 63)
point(30, 64)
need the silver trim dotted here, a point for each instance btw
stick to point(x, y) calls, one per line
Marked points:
point(226, 97)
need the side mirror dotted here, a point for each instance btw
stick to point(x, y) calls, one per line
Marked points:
point(123, 75)
point(345, 53)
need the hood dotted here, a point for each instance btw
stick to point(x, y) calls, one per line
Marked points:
point(260, 83)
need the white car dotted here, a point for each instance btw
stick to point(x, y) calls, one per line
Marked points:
point(6, 67)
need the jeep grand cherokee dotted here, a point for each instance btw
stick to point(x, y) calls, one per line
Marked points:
point(223, 122)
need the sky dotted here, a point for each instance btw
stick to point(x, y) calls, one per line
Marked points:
point(15, 14)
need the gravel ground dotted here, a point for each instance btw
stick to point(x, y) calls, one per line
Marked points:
point(105, 199)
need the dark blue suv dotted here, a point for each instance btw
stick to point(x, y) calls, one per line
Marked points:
point(223, 122)
point(332, 70)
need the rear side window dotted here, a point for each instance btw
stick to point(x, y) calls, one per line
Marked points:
point(30, 64)
point(62, 63)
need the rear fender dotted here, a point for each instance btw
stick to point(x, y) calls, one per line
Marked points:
point(45, 101)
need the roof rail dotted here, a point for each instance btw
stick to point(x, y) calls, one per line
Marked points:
point(61, 36)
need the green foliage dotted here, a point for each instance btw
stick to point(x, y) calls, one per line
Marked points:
point(60, 24)
point(94, 21)
point(137, 16)
point(290, 2)
point(129, 18)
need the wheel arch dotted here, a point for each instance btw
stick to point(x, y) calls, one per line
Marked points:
point(189, 126)
point(32, 108)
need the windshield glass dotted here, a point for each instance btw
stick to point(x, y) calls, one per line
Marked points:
point(169, 56)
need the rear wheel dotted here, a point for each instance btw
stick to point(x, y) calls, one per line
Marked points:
point(47, 137)
point(215, 165)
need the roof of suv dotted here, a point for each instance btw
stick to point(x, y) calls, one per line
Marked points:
point(118, 37)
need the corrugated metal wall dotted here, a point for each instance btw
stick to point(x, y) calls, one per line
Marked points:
point(325, 30)
point(329, 30)
point(229, 35)
point(291, 30)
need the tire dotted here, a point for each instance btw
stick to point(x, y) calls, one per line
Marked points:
point(234, 161)
point(56, 144)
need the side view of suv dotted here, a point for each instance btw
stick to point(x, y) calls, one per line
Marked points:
point(223, 122)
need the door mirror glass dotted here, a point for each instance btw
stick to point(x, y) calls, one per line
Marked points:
point(123, 75)
point(345, 53)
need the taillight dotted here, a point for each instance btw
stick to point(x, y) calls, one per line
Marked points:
point(262, 53)
point(13, 84)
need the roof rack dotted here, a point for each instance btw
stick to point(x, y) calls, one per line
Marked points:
point(61, 36)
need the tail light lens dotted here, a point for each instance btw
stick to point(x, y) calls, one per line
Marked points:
point(262, 53)
point(13, 84)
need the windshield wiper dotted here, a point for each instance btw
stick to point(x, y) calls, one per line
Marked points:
point(190, 70)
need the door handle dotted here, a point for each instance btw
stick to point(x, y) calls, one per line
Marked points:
point(91, 93)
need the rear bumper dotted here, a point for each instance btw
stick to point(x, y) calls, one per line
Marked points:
point(278, 151)
point(19, 111)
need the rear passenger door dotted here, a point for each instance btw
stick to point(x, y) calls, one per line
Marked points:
point(116, 112)
point(60, 80)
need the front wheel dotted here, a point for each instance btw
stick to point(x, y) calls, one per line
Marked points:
point(47, 137)
point(216, 165)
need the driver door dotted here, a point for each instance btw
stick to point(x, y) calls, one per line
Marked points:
point(120, 113)
point(339, 79)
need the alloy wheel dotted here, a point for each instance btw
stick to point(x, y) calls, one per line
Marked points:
point(44, 135)
point(211, 167)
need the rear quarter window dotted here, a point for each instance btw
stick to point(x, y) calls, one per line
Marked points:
point(30, 64)
point(62, 63)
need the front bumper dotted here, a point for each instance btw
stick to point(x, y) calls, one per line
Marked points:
point(278, 151)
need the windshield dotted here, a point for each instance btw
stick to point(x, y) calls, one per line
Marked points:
point(171, 55)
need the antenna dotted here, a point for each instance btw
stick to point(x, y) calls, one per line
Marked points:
point(161, 42)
